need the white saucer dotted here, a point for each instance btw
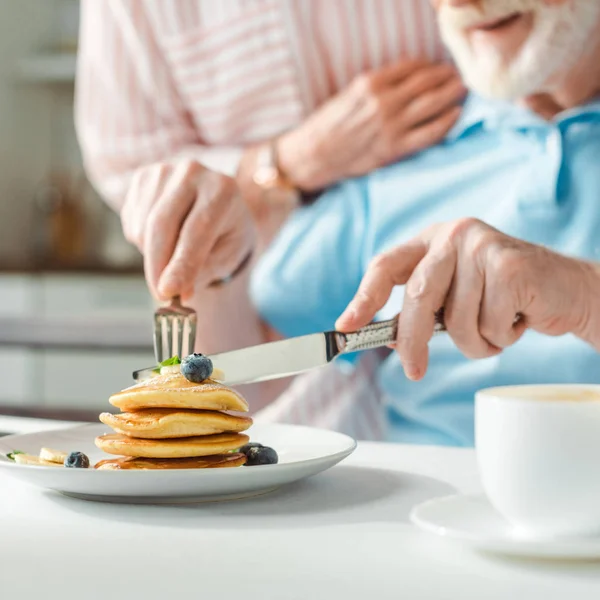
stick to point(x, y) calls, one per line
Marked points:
point(472, 520)
point(303, 451)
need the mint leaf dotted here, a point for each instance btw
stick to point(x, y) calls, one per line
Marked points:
point(174, 360)
point(11, 455)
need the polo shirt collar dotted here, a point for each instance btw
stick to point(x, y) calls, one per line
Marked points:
point(482, 113)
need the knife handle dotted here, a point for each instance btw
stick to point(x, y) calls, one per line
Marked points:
point(374, 335)
point(381, 333)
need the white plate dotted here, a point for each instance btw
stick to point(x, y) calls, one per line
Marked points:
point(302, 451)
point(474, 521)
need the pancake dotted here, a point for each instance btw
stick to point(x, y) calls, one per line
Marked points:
point(207, 445)
point(163, 423)
point(235, 459)
point(175, 391)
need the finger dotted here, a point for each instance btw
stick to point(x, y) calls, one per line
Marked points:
point(498, 322)
point(145, 189)
point(156, 183)
point(126, 213)
point(426, 292)
point(398, 71)
point(462, 306)
point(386, 271)
point(428, 134)
point(162, 230)
point(429, 105)
point(212, 216)
point(198, 235)
point(228, 253)
point(420, 82)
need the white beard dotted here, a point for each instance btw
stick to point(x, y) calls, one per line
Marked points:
point(557, 41)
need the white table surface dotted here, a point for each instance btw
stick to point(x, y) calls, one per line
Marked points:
point(343, 534)
point(11, 425)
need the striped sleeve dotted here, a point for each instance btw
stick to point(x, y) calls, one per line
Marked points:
point(127, 110)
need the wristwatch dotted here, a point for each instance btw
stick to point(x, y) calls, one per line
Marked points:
point(268, 174)
point(274, 182)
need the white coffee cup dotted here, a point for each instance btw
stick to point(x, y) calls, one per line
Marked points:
point(538, 450)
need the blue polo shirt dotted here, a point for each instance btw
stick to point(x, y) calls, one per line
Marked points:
point(533, 179)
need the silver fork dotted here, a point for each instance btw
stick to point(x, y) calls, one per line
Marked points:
point(179, 322)
point(174, 325)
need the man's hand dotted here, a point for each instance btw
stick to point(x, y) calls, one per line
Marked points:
point(381, 117)
point(189, 223)
point(492, 288)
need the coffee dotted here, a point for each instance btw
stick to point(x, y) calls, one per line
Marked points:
point(549, 392)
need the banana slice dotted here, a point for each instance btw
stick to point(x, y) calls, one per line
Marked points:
point(53, 456)
point(26, 459)
point(30, 459)
point(218, 375)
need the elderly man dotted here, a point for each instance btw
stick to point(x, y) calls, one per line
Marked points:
point(525, 158)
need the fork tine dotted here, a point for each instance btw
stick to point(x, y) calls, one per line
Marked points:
point(174, 330)
point(169, 325)
point(184, 339)
point(191, 333)
point(158, 339)
point(179, 344)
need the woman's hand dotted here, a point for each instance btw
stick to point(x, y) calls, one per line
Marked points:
point(190, 225)
point(492, 287)
point(381, 117)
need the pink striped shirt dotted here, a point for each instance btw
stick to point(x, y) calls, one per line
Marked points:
point(159, 79)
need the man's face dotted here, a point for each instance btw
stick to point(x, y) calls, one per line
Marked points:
point(513, 48)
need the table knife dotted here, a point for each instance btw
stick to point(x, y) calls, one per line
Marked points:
point(298, 354)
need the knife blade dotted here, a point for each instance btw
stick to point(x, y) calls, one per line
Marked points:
point(297, 355)
point(277, 359)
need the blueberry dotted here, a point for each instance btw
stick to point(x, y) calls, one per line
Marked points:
point(77, 460)
point(261, 456)
point(196, 367)
point(244, 449)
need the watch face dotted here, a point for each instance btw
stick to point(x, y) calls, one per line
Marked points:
point(267, 174)
point(266, 177)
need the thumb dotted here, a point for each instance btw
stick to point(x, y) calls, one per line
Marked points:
point(386, 271)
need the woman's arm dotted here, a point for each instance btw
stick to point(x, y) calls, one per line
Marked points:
point(130, 122)
point(128, 112)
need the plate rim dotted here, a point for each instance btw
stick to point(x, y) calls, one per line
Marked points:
point(336, 456)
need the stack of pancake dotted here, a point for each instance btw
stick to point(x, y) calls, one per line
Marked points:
point(168, 422)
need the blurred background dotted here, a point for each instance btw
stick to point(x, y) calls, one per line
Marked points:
point(75, 314)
